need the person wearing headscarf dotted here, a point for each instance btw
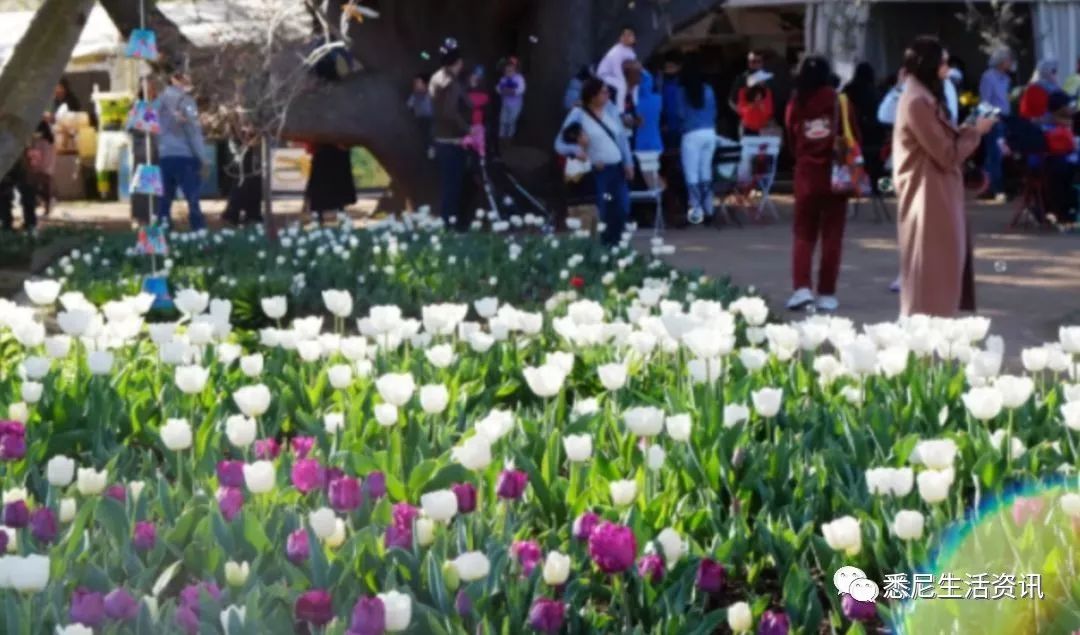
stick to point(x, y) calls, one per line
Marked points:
point(1036, 98)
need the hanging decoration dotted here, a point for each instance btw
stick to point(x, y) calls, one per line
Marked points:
point(147, 180)
point(143, 118)
point(142, 45)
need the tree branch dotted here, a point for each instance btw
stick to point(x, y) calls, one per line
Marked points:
point(171, 42)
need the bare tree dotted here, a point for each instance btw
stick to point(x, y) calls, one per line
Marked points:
point(997, 25)
point(28, 79)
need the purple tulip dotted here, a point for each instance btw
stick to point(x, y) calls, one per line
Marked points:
point(375, 485)
point(145, 536)
point(405, 514)
point(584, 526)
point(856, 610)
point(187, 619)
point(3, 542)
point(651, 567)
point(189, 596)
point(612, 547)
point(120, 606)
point(528, 555)
point(16, 514)
point(344, 494)
point(12, 441)
point(301, 446)
point(773, 623)
point(315, 606)
point(368, 617)
point(87, 607)
point(296, 547)
point(398, 536)
point(463, 603)
point(547, 615)
point(230, 473)
point(117, 492)
point(230, 500)
point(511, 484)
point(43, 525)
point(267, 449)
point(466, 497)
point(711, 576)
point(308, 475)
point(333, 474)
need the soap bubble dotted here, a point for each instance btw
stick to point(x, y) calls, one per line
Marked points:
point(1000, 266)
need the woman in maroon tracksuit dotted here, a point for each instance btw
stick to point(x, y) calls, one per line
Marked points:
point(812, 127)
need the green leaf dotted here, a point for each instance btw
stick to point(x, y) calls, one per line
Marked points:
point(254, 534)
point(419, 477)
point(111, 516)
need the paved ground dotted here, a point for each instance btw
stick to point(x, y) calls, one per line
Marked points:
point(1028, 282)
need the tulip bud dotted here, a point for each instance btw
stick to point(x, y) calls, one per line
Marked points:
point(236, 574)
point(450, 576)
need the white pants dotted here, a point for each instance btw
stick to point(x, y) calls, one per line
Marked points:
point(698, 147)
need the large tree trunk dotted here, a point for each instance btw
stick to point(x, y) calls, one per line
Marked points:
point(31, 73)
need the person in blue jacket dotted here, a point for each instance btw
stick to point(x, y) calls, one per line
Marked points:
point(648, 144)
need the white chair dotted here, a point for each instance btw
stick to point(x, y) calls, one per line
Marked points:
point(657, 197)
point(758, 151)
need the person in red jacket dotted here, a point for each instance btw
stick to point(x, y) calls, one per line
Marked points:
point(1060, 157)
point(755, 108)
point(1035, 99)
point(814, 133)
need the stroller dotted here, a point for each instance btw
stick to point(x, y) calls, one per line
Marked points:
point(503, 193)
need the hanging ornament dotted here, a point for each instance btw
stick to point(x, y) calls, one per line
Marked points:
point(147, 180)
point(142, 45)
point(143, 118)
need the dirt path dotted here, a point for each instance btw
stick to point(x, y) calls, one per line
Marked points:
point(1027, 282)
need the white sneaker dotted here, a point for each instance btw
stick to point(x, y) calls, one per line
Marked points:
point(695, 216)
point(827, 303)
point(800, 299)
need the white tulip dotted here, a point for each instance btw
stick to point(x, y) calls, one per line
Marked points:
point(983, 403)
point(678, 426)
point(705, 371)
point(386, 414)
point(236, 574)
point(1016, 446)
point(27, 575)
point(100, 362)
point(260, 477)
point(496, 425)
point(860, 355)
point(474, 453)
point(1035, 359)
point(396, 388)
point(471, 565)
point(654, 457)
point(340, 376)
point(42, 292)
point(735, 413)
point(753, 359)
point(191, 379)
point(337, 538)
point(322, 522)
point(274, 307)
point(67, 510)
point(191, 302)
point(908, 524)
point(398, 609)
point(623, 492)
point(740, 618)
point(934, 484)
point(1071, 392)
point(34, 367)
point(578, 447)
point(556, 568)
point(253, 401)
point(240, 430)
point(60, 471)
point(672, 544)
point(1070, 504)
point(57, 346)
point(434, 398)
point(767, 401)
point(486, 307)
point(480, 342)
point(425, 531)
point(585, 407)
point(1015, 391)
point(333, 422)
point(888, 480)
point(363, 368)
point(545, 381)
point(645, 421)
point(936, 454)
point(252, 365)
point(843, 534)
point(31, 391)
point(176, 434)
point(340, 303)
point(75, 322)
point(1070, 412)
point(1069, 337)
point(612, 376)
point(440, 505)
point(19, 411)
point(440, 356)
point(89, 481)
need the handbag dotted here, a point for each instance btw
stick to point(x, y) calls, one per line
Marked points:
point(849, 175)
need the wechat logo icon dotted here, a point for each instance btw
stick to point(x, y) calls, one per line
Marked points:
point(853, 581)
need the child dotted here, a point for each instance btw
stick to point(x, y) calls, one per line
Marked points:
point(419, 103)
point(576, 166)
point(755, 108)
point(512, 90)
point(476, 140)
point(1060, 156)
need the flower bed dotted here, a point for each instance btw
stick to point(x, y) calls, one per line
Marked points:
point(637, 460)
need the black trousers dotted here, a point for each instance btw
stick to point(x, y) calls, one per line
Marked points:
point(18, 180)
point(246, 197)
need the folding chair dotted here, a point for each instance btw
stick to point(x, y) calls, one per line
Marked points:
point(726, 161)
point(657, 197)
point(757, 169)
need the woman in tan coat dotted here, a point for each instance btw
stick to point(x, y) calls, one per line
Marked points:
point(928, 154)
